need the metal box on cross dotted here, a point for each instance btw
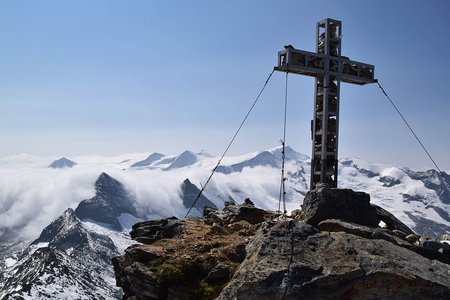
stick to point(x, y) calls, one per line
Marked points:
point(329, 68)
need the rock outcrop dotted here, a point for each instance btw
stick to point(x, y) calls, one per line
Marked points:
point(331, 249)
point(110, 201)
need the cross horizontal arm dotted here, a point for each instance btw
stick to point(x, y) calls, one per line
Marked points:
point(313, 64)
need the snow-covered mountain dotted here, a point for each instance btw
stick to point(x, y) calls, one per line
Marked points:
point(152, 158)
point(72, 254)
point(71, 259)
point(169, 162)
point(185, 159)
point(110, 203)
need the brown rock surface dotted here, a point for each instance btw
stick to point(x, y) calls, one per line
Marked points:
point(194, 263)
point(241, 253)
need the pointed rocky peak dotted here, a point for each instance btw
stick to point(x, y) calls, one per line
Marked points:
point(66, 261)
point(105, 184)
point(110, 201)
point(62, 163)
point(185, 159)
point(189, 193)
point(62, 233)
point(66, 220)
point(154, 157)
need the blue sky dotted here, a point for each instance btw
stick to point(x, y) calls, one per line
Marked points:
point(110, 77)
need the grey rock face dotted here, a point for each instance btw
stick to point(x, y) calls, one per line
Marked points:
point(111, 200)
point(151, 231)
point(189, 193)
point(391, 221)
point(344, 204)
point(332, 250)
point(244, 212)
point(333, 265)
point(66, 255)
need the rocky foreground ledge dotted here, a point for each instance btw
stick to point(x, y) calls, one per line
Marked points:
point(331, 249)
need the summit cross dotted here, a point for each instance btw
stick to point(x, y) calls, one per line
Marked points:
point(329, 68)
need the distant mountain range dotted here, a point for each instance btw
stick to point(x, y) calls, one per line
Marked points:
point(71, 257)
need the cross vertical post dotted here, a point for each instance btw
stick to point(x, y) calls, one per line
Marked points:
point(329, 68)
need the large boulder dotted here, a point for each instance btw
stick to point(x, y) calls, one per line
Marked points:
point(333, 265)
point(151, 231)
point(344, 204)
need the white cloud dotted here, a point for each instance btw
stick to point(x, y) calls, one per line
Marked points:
point(32, 195)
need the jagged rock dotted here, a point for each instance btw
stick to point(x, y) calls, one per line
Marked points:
point(151, 231)
point(249, 202)
point(344, 256)
point(328, 203)
point(207, 210)
point(333, 265)
point(190, 261)
point(110, 201)
point(245, 212)
point(334, 225)
point(66, 256)
point(391, 221)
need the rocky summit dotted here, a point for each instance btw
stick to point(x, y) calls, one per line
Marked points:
point(337, 246)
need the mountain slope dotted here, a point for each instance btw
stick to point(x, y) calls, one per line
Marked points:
point(71, 259)
point(189, 193)
point(185, 159)
point(110, 201)
point(154, 157)
point(66, 261)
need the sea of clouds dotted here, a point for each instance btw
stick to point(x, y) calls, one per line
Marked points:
point(33, 195)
